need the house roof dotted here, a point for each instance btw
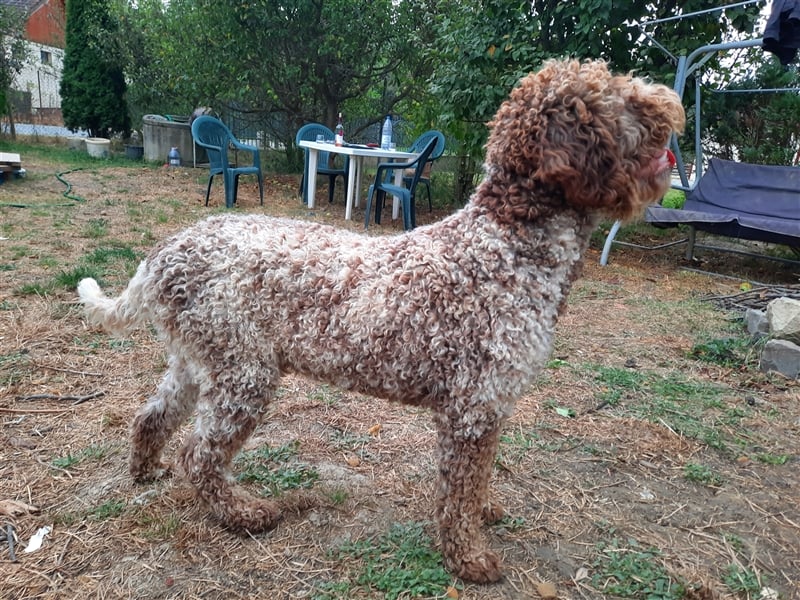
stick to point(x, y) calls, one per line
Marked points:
point(27, 5)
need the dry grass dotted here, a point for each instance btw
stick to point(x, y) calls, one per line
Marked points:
point(613, 473)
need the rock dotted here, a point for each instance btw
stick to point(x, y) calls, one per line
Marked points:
point(783, 316)
point(782, 356)
point(757, 324)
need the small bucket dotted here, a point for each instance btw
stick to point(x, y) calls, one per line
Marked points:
point(98, 147)
point(134, 152)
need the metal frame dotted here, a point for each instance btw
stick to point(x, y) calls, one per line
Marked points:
point(686, 66)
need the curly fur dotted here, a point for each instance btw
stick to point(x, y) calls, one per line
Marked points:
point(458, 316)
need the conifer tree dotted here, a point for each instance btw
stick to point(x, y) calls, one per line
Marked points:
point(92, 82)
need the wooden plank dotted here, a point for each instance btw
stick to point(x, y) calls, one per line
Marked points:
point(10, 159)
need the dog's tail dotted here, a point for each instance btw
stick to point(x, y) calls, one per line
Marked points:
point(115, 315)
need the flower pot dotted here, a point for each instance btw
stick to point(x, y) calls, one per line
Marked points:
point(134, 152)
point(76, 142)
point(98, 147)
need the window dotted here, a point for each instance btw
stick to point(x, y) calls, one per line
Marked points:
point(46, 57)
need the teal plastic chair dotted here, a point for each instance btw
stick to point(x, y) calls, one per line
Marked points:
point(417, 146)
point(213, 135)
point(383, 186)
point(309, 133)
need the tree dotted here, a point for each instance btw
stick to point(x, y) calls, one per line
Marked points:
point(92, 83)
point(756, 127)
point(13, 55)
point(290, 62)
point(485, 46)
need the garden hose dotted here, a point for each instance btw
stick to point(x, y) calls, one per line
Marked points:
point(67, 194)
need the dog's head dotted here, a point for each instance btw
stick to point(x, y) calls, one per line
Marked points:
point(595, 138)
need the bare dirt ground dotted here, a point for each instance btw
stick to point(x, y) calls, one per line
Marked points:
point(705, 488)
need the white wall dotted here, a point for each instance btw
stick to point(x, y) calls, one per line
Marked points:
point(41, 80)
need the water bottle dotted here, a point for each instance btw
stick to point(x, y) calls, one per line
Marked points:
point(338, 133)
point(386, 133)
point(174, 157)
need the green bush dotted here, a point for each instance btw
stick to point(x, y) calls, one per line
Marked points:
point(93, 83)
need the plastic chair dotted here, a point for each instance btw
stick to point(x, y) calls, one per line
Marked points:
point(417, 146)
point(383, 186)
point(309, 133)
point(213, 135)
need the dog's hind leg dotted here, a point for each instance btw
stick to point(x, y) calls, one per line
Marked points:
point(465, 464)
point(157, 420)
point(231, 416)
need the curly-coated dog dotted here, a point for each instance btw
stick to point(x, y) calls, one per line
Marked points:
point(457, 316)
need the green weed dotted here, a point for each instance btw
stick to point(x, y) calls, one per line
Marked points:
point(96, 228)
point(13, 367)
point(35, 289)
point(265, 467)
point(108, 254)
point(632, 572)
point(673, 199)
point(93, 452)
point(726, 352)
point(107, 510)
point(327, 394)
point(742, 580)
point(702, 474)
point(97, 265)
point(338, 496)
point(157, 527)
point(694, 409)
point(399, 563)
point(18, 252)
point(65, 462)
point(772, 459)
point(70, 279)
point(515, 445)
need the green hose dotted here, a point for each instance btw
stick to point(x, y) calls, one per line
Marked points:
point(67, 194)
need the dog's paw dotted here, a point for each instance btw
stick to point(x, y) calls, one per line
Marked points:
point(492, 513)
point(255, 516)
point(145, 471)
point(478, 567)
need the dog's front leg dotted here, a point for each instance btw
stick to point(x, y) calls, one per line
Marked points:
point(465, 464)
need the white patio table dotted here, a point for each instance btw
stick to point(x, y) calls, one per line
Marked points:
point(357, 154)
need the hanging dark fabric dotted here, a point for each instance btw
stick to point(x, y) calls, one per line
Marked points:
point(782, 32)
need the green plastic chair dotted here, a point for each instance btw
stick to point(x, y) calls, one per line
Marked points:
point(383, 186)
point(309, 133)
point(417, 146)
point(213, 135)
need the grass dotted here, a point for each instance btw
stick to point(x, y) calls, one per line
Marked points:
point(70, 460)
point(697, 410)
point(400, 563)
point(629, 571)
point(270, 469)
point(702, 474)
point(69, 159)
point(741, 580)
point(725, 352)
point(13, 367)
point(158, 527)
point(119, 260)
